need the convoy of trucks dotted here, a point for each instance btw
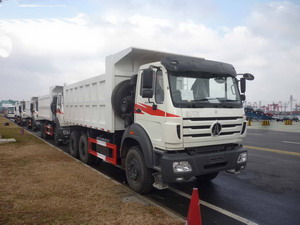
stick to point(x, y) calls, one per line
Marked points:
point(161, 117)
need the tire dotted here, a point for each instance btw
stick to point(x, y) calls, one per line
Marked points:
point(207, 177)
point(83, 151)
point(74, 144)
point(42, 131)
point(139, 177)
point(27, 124)
point(122, 90)
point(57, 142)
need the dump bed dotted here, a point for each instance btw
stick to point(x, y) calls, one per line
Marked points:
point(44, 107)
point(88, 102)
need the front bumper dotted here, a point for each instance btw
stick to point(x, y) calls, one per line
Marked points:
point(64, 133)
point(201, 163)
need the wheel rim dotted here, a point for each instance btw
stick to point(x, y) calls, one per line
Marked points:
point(133, 169)
point(72, 146)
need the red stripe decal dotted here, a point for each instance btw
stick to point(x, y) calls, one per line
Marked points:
point(92, 152)
point(148, 109)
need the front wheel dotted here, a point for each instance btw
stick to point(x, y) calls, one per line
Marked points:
point(139, 177)
point(57, 142)
point(207, 177)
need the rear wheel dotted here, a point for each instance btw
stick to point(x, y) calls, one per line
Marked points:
point(28, 124)
point(42, 130)
point(73, 145)
point(139, 177)
point(207, 177)
point(83, 151)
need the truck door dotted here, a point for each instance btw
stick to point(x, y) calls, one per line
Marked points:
point(150, 113)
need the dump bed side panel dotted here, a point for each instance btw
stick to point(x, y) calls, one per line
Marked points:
point(86, 104)
point(44, 107)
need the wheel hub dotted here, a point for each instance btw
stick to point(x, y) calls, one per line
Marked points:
point(133, 169)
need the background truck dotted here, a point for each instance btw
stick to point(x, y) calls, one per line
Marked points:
point(49, 118)
point(17, 113)
point(9, 111)
point(29, 113)
point(25, 113)
point(162, 117)
point(20, 112)
point(32, 121)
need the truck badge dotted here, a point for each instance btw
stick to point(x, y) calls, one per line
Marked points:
point(216, 129)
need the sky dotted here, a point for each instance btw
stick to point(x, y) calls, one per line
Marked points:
point(52, 42)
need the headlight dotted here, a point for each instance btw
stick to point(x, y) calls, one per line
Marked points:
point(66, 132)
point(181, 167)
point(242, 157)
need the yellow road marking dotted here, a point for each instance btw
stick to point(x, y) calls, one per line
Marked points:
point(273, 150)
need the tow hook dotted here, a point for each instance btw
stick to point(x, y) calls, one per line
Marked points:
point(159, 183)
point(233, 171)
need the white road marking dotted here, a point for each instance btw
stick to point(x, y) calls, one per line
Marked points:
point(216, 208)
point(291, 142)
point(255, 134)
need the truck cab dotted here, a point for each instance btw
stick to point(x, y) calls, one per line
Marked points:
point(51, 116)
point(193, 113)
point(34, 113)
point(9, 111)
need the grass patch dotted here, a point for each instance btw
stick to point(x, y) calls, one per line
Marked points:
point(40, 185)
point(14, 131)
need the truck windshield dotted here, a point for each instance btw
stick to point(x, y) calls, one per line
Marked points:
point(198, 90)
point(10, 110)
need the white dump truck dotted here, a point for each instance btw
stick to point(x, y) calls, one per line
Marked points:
point(20, 112)
point(9, 111)
point(33, 114)
point(28, 115)
point(162, 117)
point(50, 118)
point(17, 113)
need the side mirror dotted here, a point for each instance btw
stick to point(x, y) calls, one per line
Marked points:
point(31, 107)
point(147, 83)
point(243, 85)
point(53, 105)
point(248, 76)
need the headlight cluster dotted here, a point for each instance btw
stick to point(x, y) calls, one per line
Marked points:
point(66, 132)
point(181, 167)
point(242, 157)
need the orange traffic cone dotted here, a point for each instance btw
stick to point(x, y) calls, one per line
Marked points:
point(194, 215)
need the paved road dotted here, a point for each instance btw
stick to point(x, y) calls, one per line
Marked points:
point(266, 193)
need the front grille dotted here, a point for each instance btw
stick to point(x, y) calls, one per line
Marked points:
point(211, 149)
point(213, 118)
point(201, 127)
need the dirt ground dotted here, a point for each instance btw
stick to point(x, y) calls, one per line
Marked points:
point(40, 185)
